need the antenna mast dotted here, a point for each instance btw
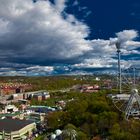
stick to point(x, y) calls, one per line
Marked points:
point(119, 67)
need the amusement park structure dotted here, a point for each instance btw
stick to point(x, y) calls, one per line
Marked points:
point(127, 100)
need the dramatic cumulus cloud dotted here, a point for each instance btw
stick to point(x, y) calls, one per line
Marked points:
point(37, 39)
point(38, 32)
point(104, 51)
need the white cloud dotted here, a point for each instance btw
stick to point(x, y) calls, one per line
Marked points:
point(128, 46)
point(126, 35)
point(60, 5)
point(36, 34)
point(102, 62)
point(87, 13)
point(41, 68)
point(80, 72)
point(75, 3)
point(133, 43)
point(103, 48)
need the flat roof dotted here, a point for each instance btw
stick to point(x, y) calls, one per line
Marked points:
point(9, 125)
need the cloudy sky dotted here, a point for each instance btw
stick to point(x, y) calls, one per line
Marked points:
point(51, 37)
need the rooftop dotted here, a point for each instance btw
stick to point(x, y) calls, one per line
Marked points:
point(10, 114)
point(9, 125)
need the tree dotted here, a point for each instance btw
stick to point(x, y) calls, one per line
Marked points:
point(54, 120)
point(82, 136)
point(76, 110)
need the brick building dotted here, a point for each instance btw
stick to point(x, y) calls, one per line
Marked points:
point(8, 88)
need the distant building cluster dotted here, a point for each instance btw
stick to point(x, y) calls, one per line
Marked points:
point(39, 96)
point(89, 89)
point(86, 88)
point(107, 84)
point(23, 121)
point(10, 88)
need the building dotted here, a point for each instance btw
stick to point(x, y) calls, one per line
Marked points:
point(41, 96)
point(124, 97)
point(9, 109)
point(11, 88)
point(60, 104)
point(40, 109)
point(17, 96)
point(6, 90)
point(38, 118)
point(14, 129)
point(15, 115)
point(85, 88)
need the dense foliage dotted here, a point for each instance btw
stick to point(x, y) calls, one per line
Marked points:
point(52, 82)
point(93, 115)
